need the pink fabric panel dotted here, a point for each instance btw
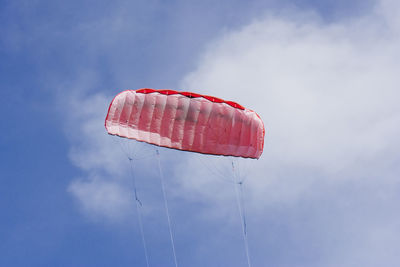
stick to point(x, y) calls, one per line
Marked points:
point(190, 124)
point(200, 127)
point(187, 123)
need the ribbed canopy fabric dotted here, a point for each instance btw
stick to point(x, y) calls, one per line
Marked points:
point(186, 121)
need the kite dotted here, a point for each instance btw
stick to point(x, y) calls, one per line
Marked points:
point(186, 121)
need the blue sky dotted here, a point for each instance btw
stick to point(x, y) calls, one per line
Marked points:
point(323, 75)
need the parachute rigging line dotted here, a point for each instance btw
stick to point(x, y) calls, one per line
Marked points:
point(129, 153)
point(240, 204)
point(166, 206)
point(138, 210)
point(217, 172)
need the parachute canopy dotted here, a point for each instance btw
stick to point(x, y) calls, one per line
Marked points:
point(186, 121)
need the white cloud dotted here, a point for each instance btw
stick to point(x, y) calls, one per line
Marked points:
point(328, 95)
point(106, 193)
point(101, 199)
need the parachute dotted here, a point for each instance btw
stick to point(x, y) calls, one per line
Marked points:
point(186, 121)
point(189, 122)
